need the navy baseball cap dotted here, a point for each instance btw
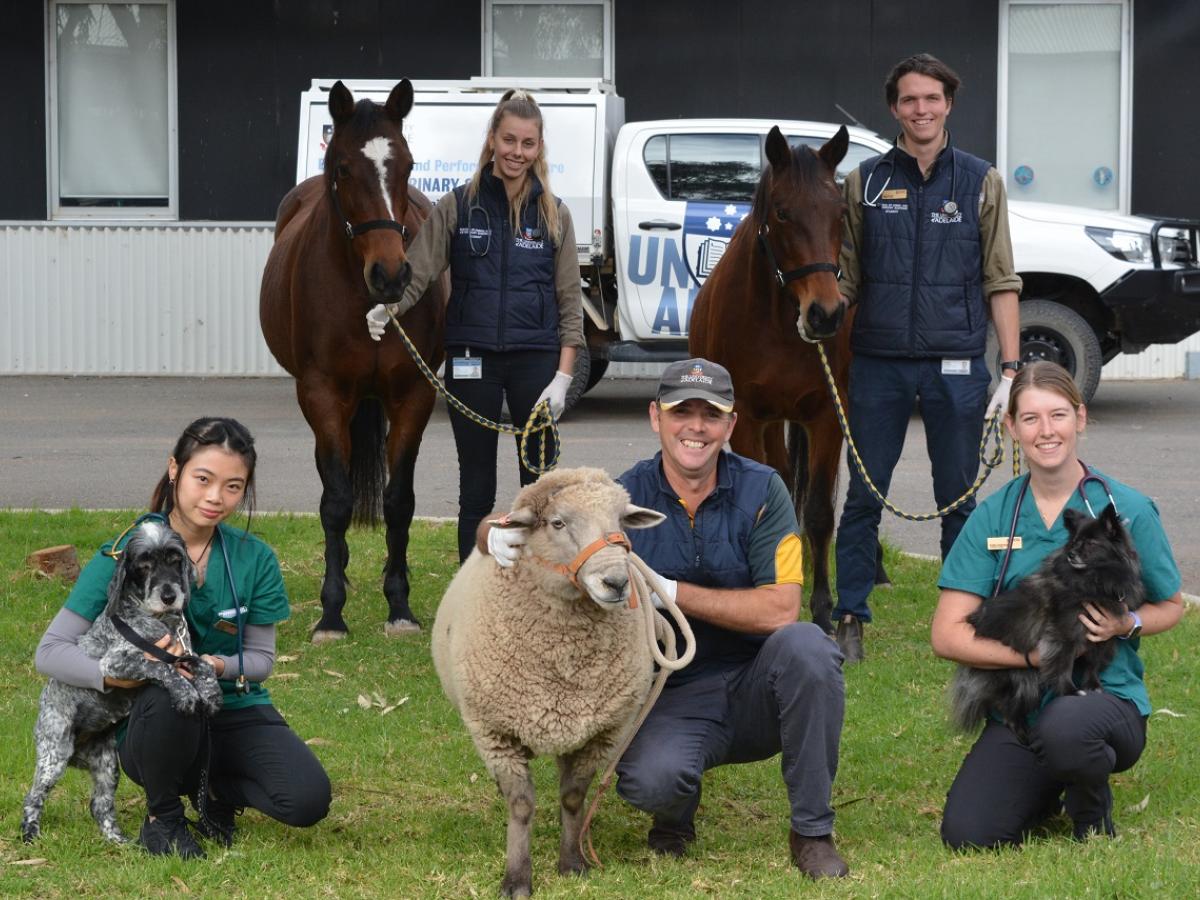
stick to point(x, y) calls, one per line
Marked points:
point(695, 379)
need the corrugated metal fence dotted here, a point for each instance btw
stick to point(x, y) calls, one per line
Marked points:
point(182, 299)
point(133, 299)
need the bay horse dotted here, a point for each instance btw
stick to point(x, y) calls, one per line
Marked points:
point(772, 296)
point(366, 402)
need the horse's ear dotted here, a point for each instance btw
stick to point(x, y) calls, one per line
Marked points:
point(779, 154)
point(341, 103)
point(834, 150)
point(399, 101)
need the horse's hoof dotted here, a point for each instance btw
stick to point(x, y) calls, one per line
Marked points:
point(404, 626)
point(327, 637)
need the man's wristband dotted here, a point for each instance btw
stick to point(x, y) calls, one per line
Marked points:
point(1014, 364)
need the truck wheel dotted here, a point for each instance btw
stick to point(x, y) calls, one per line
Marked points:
point(1056, 333)
point(581, 382)
point(599, 367)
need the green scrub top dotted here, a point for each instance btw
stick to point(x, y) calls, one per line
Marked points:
point(973, 568)
point(259, 588)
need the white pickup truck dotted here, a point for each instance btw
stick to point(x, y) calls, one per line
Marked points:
point(655, 204)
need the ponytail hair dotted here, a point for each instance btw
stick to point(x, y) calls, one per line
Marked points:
point(520, 103)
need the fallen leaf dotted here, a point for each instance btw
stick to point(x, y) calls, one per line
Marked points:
point(333, 673)
point(318, 742)
point(363, 701)
point(386, 710)
point(1140, 807)
point(379, 701)
point(285, 675)
point(179, 883)
point(36, 861)
point(285, 658)
point(1169, 712)
point(401, 701)
point(474, 777)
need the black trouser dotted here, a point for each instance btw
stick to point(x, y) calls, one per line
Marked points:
point(1005, 788)
point(518, 375)
point(256, 761)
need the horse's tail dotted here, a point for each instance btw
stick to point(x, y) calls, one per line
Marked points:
point(797, 444)
point(368, 462)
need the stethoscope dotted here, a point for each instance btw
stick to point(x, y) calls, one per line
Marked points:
point(1088, 475)
point(241, 686)
point(950, 207)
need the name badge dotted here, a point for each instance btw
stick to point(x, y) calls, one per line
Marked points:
point(895, 194)
point(1001, 543)
point(956, 367)
point(467, 368)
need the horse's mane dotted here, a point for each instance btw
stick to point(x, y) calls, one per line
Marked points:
point(806, 169)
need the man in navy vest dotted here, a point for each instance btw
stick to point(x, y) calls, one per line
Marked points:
point(927, 260)
point(761, 683)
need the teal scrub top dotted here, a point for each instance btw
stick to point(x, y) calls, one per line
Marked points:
point(973, 568)
point(259, 588)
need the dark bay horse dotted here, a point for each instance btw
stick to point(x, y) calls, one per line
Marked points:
point(771, 297)
point(339, 249)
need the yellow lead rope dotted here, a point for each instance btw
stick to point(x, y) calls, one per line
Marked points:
point(992, 429)
point(539, 419)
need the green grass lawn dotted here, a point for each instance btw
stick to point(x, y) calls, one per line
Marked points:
point(415, 815)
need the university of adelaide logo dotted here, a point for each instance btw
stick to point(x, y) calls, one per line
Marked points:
point(707, 228)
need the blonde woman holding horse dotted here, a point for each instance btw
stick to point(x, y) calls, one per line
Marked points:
point(514, 323)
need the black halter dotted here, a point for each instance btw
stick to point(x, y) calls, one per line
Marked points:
point(353, 231)
point(785, 277)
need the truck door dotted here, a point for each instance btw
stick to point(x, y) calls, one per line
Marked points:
point(682, 194)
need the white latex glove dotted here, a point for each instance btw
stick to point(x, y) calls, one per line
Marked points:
point(556, 393)
point(672, 588)
point(377, 320)
point(504, 545)
point(999, 399)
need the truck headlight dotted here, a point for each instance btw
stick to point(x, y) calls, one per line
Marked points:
point(1131, 246)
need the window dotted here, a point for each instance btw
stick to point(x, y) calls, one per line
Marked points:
point(569, 38)
point(1064, 121)
point(112, 128)
point(855, 153)
point(705, 166)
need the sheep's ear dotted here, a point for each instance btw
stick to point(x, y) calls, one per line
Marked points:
point(640, 517)
point(525, 517)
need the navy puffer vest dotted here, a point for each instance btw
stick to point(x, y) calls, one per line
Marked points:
point(712, 551)
point(502, 285)
point(922, 268)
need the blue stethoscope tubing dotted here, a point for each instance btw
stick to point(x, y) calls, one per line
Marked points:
point(1088, 475)
point(240, 685)
point(950, 206)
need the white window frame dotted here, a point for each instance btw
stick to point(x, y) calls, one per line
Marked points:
point(1125, 125)
point(57, 211)
point(487, 66)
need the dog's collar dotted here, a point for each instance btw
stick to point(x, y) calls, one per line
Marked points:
point(187, 660)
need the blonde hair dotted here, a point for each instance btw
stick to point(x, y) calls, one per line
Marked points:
point(519, 103)
point(1046, 376)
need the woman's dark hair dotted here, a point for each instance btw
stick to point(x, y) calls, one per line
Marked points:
point(229, 435)
point(922, 64)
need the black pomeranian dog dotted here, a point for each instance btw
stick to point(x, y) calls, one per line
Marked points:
point(1098, 564)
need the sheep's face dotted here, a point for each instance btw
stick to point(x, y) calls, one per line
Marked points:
point(574, 517)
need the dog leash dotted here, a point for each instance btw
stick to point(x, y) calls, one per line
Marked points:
point(187, 661)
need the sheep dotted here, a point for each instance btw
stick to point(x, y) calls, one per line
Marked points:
point(539, 665)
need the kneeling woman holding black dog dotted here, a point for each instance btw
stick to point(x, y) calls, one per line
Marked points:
point(1005, 787)
point(246, 755)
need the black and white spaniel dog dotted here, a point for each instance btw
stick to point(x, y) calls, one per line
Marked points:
point(77, 726)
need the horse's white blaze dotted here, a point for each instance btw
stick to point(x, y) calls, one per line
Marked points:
point(379, 150)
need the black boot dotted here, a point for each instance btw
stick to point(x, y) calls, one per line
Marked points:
point(169, 836)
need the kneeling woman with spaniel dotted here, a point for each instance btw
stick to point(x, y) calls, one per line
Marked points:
point(246, 755)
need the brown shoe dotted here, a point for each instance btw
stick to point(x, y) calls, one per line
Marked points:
point(816, 857)
point(850, 638)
